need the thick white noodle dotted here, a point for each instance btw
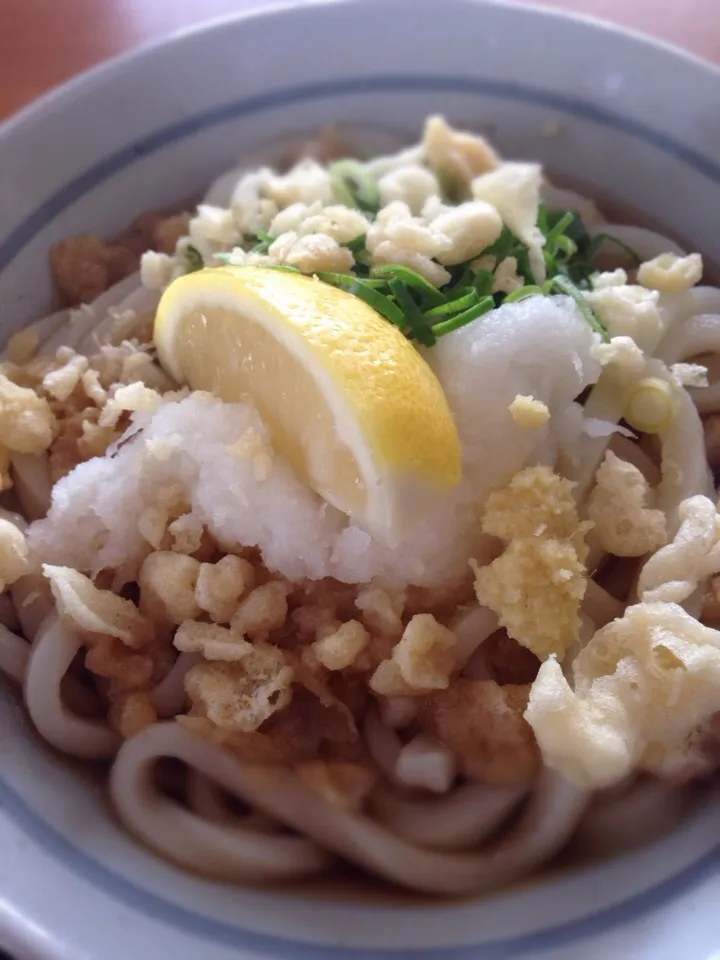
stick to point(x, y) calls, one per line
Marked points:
point(545, 826)
point(33, 485)
point(606, 401)
point(643, 812)
point(383, 743)
point(218, 849)
point(646, 243)
point(168, 697)
point(685, 472)
point(50, 659)
point(462, 819)
point(137, 299)
point(208, 800)
point(14, 654)
point(32, 599)
point(694, 324)
point(471, 626)
point(81, 326)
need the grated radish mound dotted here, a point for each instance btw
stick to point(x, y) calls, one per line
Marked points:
point(538, 347)
point(208, 448)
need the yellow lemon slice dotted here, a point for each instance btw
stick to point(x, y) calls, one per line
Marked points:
point(350, 403)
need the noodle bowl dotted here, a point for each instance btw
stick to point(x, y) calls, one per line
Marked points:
point(147, 544)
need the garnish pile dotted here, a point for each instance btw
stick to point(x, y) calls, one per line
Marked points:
point(424, 311)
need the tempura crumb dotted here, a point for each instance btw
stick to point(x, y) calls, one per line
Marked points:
point(244, 694)
point(339, 649)
point(642, 685)
point(167, 583)
point(624, 523)
point(263, 610)
point(220, 585)
point(88, 608)
point(26, 420)
point(422, 656)
point(212, 641)
point(14, 554)
point(670, 273)
point(382, 613)
point(529, 413)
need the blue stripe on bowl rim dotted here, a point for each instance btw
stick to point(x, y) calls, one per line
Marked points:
point(152, 905)
point(121, 159)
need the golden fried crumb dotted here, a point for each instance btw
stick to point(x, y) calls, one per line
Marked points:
point(167, 587)
point(242, 695)
point(88, 608)
point(339, 648)
point(14, 554)
point(263, 610)
point(26, 420)
point(212, 641)
point(381, 612)
point(625, 525)
point(220, 586)
point(529, 413)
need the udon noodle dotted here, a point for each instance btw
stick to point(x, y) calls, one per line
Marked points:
point(118, 576)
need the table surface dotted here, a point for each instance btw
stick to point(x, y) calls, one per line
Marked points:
point(43, 42)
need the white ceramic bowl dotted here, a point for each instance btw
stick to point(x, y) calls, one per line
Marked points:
point(633, 120)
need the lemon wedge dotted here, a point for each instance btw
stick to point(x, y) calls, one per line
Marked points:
point(350, 403)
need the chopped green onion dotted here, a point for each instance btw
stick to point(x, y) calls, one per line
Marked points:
point(347, 280)
point(559, 228)
point(651, 405)
point(419, 328)
point(483, 282)
point(566, 286)
point(194, 258)
point(262, 241)
point(384, 305)
point(522, 292)
point(455, 306)
point(356, 245)
point(543, 219)
point(411, 279)
point(462, 319)
point(281, 268)
point(353, 186)
point(462, 279)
